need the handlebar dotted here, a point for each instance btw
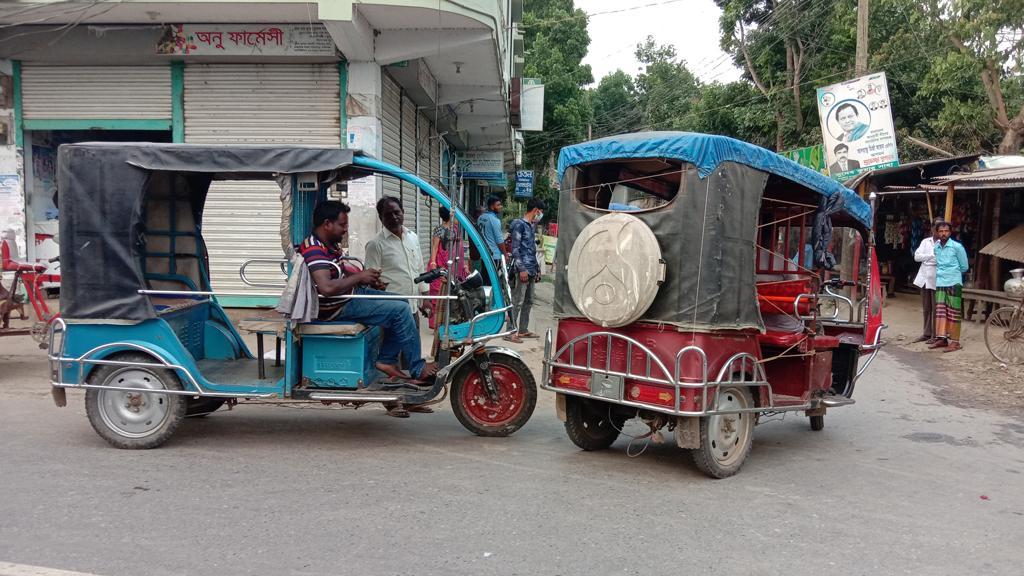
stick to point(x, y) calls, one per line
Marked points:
point(840, 283)
point(430, 276)
point(54, 259)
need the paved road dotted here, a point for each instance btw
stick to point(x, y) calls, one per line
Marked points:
point(898, 484)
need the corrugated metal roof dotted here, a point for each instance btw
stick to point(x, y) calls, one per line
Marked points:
point(913, 172)
point(1012, 176)
point(1009, 246)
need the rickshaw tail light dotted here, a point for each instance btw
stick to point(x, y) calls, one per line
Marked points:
point(573, 381)
point(653, 394)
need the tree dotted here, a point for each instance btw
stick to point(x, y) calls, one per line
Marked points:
point(666, 88)
point(615, 105)
point(988, 37)
point(556, 38)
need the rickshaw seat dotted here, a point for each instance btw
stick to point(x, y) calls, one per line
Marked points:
point(11, 265)
point(781, 330)
point(780, 296)
point(276, 326)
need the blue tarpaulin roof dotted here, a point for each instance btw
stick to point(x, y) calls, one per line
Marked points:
point(706, 152)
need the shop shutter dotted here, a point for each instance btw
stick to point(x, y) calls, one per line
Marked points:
point(391, 104)
point(411, 202)
point(96, 92)
point(427, 137)
point(255, 104)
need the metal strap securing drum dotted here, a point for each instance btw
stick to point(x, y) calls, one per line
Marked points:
point(615, 269)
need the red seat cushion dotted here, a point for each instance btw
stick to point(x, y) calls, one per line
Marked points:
point(780, 339)
point(822, 342)
point(10, 265)
point(779, 297)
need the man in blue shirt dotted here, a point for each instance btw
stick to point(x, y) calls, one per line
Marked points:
point(524, 251)
point(490, 228)
point(950, 265)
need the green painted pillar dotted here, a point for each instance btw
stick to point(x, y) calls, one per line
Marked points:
point(177, 102)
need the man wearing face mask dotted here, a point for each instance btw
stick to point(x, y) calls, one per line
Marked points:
point(524, 250)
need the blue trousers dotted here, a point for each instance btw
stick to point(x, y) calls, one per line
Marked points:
point(395, 317)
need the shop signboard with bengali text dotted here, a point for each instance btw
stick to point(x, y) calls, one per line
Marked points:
point(245, 40)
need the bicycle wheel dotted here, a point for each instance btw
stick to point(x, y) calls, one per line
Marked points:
point(1004, 335)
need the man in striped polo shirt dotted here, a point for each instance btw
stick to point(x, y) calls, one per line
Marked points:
point(321, 251)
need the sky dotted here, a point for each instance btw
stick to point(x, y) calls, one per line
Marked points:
point(690, 25)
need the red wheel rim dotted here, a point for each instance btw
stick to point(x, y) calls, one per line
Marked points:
point(479, 406)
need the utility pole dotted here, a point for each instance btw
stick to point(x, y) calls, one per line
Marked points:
point(862, 37)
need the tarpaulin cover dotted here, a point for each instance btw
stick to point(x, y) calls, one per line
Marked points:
point(706, 152)
point(102, 189)
point(710, 277)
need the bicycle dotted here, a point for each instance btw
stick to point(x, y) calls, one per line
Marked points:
point(1004, 334)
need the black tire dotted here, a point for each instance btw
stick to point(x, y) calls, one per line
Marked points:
point(588, 425)
point(720, 454)
point(110, 415)
point(199, 407)
point(844, 370)
point(818, 423)
point(517, 396)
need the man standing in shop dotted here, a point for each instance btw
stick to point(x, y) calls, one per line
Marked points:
point(950, 265)
point(925, 280)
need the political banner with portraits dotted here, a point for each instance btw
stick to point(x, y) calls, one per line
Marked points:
point(856, 126)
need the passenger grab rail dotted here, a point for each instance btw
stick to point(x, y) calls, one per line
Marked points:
point(245, 280)
point(741, 369)
point(58, 361)
point(259, 295)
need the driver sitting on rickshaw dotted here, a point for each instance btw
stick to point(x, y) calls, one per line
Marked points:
point(320, 250)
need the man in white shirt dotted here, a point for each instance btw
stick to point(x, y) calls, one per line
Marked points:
point(395, 251)
point(925, 280)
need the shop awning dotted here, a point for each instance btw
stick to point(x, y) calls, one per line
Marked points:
point(1009, 246)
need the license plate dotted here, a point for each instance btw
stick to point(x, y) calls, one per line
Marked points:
point(604, 386)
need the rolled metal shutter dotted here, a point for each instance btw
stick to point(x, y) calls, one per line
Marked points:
point(425, 141)
point(410, 194)
point(391, 105)
point(96, 92)
point(255, 104)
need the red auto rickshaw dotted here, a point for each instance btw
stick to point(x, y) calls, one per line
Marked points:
point(700, 284)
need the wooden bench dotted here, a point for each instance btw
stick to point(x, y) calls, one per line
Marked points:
point(986, 298)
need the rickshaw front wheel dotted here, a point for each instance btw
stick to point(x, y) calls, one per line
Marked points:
point(517, 396)
point(589, 424)
point(725, 439)
point(818, 422)
point(134, 420)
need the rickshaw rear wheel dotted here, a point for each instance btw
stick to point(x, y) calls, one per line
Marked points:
point(134, 420)
point(725, 439)
point(517, 396)
point(818, 422)
point(588, 426)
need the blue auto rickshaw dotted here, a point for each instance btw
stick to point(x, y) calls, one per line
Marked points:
point(143, 332)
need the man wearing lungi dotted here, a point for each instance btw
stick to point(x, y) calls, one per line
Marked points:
point(950, 265)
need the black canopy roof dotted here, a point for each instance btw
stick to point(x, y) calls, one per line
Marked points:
point(102, 187)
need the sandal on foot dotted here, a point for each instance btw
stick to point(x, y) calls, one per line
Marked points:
point(420, 409)
point(514, 339)
point(528, 335)
point(396, 411)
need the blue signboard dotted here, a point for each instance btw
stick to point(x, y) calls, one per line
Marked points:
point(524, 184)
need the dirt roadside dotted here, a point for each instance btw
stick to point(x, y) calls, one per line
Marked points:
point(970, 377)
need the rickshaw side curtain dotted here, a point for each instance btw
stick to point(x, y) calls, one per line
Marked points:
point(710, 282)
point(101, 210)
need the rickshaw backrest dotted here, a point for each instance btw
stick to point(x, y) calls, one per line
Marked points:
point(780, 296)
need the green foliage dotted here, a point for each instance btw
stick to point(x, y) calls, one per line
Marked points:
point(556, 38)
